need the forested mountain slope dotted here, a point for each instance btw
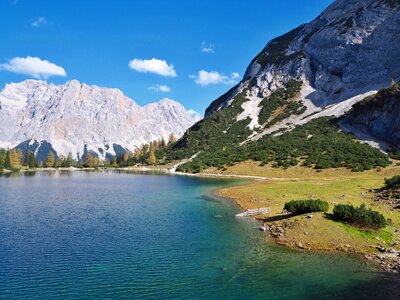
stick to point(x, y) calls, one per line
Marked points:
point(287, 108)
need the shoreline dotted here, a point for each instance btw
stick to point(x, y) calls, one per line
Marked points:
point(275, 229)
point(140, 169)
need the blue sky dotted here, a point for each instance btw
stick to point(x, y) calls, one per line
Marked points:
point(112, 43)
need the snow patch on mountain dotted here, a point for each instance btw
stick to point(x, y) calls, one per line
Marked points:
point(73, 116)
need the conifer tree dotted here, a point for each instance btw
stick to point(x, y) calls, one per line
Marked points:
point(96, 162)
point(125, 158)
point(162, 143)
point(88, 160)
point(25, 161)
point(50, 161)
point(144, 149)
point(69, 161)
point(172, 139)
point(3, 154)
point(7, 162)
point(136, 155)
point(60, 161)
point(32, 163)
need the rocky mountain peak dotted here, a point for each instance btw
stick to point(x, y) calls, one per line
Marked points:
point(348, 52)
point(73, 117)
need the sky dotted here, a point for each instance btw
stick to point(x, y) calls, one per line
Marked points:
point(186, 50)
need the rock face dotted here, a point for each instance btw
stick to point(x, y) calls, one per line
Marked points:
point(348, 52)
point(377, 116)
point(76, 117)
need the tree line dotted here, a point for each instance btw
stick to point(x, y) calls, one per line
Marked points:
point(15, 159)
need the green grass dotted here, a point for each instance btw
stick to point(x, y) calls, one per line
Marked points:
point(385, 235)
point(337, 186)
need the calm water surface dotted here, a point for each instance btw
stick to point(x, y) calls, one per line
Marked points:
point(115, 235)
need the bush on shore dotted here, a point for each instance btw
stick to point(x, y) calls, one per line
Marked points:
point(392, 183)
point(359, 216)
point(299, 207)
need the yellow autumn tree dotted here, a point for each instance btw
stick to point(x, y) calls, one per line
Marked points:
point(50, 160)
point(15, 158)
point(152, 156)
point(137, 154)
point(89, 161)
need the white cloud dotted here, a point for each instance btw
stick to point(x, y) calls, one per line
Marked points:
point(207, 48)
point(204, 78)
point(194, 113)
point(154, 65)
point(33, 66)
point(39, 21)
point(160, 88)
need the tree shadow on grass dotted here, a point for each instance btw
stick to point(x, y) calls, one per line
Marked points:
point(278, 218)
point(329, 217)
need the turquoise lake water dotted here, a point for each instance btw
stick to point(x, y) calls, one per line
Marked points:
point(91, 235)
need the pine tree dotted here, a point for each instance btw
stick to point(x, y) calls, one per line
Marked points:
point(69, 161)
point(172, 139)
point(152, 157)
point(59, 162)
point(32, 163)
point(7, 162)
point(162, 143)
point(89, 161)
point(144, 149)
point(96, 162)
point(3, 154)
point(25, 161)
point(50, 161)
point(136, 155)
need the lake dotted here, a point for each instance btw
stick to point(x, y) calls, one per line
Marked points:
point(74, 235)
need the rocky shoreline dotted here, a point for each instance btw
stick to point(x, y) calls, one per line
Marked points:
point(388, 259)
point(381, 255)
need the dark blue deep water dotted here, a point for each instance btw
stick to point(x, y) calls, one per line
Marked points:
point(83, 235)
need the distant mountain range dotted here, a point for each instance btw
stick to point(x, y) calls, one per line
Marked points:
point(320, 70)
point(77, 118)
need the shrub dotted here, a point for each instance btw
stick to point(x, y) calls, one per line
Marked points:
point(394, 155)
point(318, 144)
point(359, 216)
point(299, 207)
point(392, 183)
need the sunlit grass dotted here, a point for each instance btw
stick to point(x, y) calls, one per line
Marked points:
point(337, 186)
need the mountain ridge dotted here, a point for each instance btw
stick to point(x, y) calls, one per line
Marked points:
point(318, 70)
point(73, 116)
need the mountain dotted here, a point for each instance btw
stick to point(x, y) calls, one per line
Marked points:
point(311, 75)
point(76, 118)
point(377, 117)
